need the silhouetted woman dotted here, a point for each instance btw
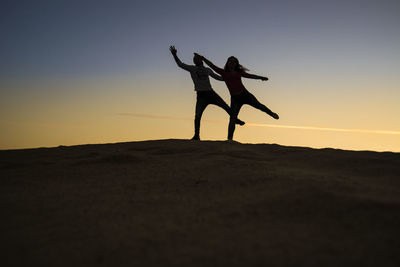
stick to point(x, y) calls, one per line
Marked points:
point(232, 75)
point(205, 93)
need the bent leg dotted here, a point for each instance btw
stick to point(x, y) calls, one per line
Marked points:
point(218, 101)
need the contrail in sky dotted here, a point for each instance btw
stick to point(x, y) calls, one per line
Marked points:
point(138, 115)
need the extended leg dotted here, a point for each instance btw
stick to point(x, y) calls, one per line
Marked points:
point(252, 101)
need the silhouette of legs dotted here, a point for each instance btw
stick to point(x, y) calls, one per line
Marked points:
point(201, 104)
point(218, 101)
point(203, 100)
point(252, 101)
point(237, 101)
point(236, 105)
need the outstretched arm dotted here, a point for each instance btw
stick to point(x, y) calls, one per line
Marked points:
point(209, 63)
point(177, 60)
point(215, 76)
point(253, 76)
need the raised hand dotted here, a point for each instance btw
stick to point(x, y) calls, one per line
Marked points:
point(172, 49)
point(197, 55)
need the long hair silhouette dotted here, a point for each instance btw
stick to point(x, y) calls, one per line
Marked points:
point(238, 67)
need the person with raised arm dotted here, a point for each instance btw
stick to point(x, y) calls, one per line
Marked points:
point(232, 74)
point(205, 93)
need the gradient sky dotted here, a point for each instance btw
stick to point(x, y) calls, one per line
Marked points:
point(78, 72)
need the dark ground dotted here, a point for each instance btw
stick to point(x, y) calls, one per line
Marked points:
point(178, 202)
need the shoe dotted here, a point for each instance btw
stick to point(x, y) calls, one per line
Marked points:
point(195, 138)
point(275, 116)
point(240, 122)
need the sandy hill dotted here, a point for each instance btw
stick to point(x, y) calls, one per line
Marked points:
point(179, 202)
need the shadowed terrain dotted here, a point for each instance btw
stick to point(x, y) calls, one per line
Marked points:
point(208, 203)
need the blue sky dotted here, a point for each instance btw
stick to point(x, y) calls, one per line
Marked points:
point(112, 37)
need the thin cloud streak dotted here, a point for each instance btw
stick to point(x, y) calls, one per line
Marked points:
point(139, 115)
point(323, 129)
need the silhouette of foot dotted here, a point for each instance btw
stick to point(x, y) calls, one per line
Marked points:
point(196, 137)
point(240, 122)
point(274, 115)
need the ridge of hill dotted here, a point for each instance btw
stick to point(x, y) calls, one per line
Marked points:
point(181, 202)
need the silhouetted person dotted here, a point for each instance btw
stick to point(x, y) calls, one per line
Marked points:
point(205, 94)
point(232, 75)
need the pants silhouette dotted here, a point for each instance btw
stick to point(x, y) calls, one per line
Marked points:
point(203, 100)
point(237, 101)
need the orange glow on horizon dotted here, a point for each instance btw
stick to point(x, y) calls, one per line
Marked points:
point(151, 116)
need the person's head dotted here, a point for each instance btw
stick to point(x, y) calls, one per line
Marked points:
point(232, 64)
point(197, 60)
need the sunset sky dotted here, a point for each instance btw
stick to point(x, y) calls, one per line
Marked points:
point(79, 72)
